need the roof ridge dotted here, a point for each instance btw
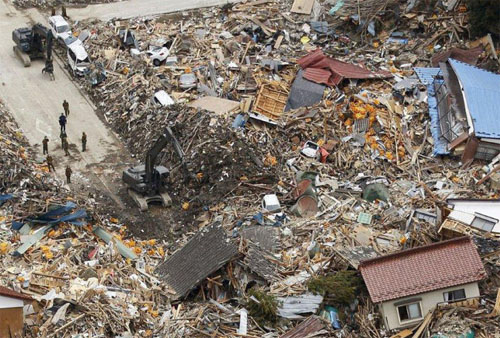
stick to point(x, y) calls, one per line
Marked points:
point(415, 250)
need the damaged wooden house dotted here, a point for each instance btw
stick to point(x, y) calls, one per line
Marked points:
point(406, 285)
point(467, 100)
point(471, 216)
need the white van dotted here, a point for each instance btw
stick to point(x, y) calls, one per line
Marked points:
point(60, 28)
point(78, 59)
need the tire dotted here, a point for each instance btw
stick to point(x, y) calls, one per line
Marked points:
point(156, 62)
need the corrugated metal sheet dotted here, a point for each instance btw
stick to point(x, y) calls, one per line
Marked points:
point(426, 76)
point(465, 55)
point(482, 95)
point(338, 70)
point(318, 75)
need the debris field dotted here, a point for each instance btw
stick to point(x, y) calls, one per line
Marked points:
point(340, 177)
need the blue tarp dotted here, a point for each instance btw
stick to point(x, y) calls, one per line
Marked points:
point(427, 77)
point(60, 214)
point(5, 198)
point(482, 97)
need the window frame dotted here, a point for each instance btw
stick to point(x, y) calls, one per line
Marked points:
point(485, 220)
point(409, 320)
point(452, 292)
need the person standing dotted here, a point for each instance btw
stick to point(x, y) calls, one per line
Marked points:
point(63, 138)
point(84, 141)
point(50, 163)
point(62, 123)
point(66, 146)
point(66, 108)
point(45, 144)
point(68, 174)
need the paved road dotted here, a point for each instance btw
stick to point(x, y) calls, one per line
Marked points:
point(36, 103)
point(133, 8)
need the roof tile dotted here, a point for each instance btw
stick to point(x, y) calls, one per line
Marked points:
point(427, 268)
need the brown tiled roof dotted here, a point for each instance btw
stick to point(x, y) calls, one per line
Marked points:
point(13, 294)
point(423, 269)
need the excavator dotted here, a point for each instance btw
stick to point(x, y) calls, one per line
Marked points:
point(34, 43)
point(146, 182)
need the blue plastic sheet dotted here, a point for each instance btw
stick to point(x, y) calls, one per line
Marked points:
point(58, 215)
point(5, 198)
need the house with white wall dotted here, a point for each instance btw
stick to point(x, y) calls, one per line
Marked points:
point(406, 285)
point(480, 214)
point(11, 312)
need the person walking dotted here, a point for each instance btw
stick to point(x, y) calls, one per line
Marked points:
point(84, 141)
point(45, 144)
point(68, 174)
point(62, 123)
point(50, 163)
point(66, 146)
point(66, 108)
point(63, 138)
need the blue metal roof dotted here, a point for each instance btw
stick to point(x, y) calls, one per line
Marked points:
point(482, 95)
point(426, 76)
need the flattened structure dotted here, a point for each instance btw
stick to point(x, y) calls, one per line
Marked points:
point(204, 254)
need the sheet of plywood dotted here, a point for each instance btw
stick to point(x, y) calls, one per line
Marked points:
point(215, 104)
point(302, 6)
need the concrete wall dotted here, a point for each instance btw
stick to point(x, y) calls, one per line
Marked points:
point(428, 301)
point(8, 302)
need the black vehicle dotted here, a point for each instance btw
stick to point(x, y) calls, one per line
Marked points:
point(146, 182)
point(34, 43)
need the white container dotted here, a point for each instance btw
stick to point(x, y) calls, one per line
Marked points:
point(271, 203)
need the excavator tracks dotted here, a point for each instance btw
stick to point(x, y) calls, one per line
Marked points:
point(23, 56)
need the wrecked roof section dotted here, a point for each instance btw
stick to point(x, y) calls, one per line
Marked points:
point(206, 252)
point(386, 277)
point(481, 91)
point(322, 69)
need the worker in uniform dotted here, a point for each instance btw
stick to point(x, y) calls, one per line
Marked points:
point(50, 163)
point(68, 174)
point(84, 141)
point(45, 144)
point(66, 108)
point(63, 137)
point(66, 146)
point(62, 122)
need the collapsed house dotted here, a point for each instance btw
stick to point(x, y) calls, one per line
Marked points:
point(406, 285)
point(465, 107)
point(466, 216)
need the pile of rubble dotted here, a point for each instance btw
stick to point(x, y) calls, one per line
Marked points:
point(84, 271)
point(313, 156)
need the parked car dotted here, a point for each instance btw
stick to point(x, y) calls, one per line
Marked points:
point(60, 28)
point(157, 54)
point(78, 59)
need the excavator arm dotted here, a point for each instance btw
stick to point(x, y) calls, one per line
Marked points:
point(152, 154)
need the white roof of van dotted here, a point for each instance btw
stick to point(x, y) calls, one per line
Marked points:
point(58, 20)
